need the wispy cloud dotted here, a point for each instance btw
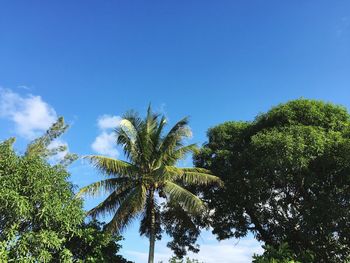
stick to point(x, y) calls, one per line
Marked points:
point(229, 251)
point(139, 257)
point(343, 26)
point(211, 251)
point(106, 122)
point(104, 143)
point(30, 114)
point(23, 87)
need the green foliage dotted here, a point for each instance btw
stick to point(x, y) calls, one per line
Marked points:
point(92, 244)
point(149, 171)
point(41, 146)
point(287, 178)
point(180, 260)
point(184, 228)
point(40, 219)
point(281, 254)
point(37, 207)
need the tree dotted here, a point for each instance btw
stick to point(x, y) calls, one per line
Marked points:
point(175, 259)
point(37, 208)
point(92, 244)
point(287, 179)
point(282, 254)
point(40, 218)
point(40, 147)
point(136, 186)
point(183, 228)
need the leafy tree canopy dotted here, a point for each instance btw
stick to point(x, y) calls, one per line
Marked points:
point(40, 220)
point(281, 254)
point(92, 244)
point(287, 179)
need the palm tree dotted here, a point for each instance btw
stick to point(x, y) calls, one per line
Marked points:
point(135, 185)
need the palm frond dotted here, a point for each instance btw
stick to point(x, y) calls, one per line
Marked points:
point(158, 134)
point(111, 203)
point(175, 136)
point(195, 178)
point(183, 197)
point(191, 176)
point(195, 170)
point(133, 117)
point(129, 208)
point(175, 153)
point(199, 176)
point(178, 127)
point(129, 146)
point(181, 152)
point(151, 204)
point(151, 120)
point(127, 134)
point(103, 186)
point(111, 166)
point(127, 126)
point(146, 138)
point(157, 140)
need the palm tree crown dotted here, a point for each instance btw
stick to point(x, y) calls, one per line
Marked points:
point(149, 171)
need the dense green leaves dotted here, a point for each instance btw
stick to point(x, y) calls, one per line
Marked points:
point(287, 178)
point(281, 254)
point(148, 175)
point(40, 219)
point(37, 208)
point(184, 228)
point(92, 244)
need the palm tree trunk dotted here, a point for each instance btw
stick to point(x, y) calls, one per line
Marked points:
point(152, 238)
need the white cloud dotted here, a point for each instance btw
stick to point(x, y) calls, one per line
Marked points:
point(105, 142)
point(23, 87)
point(211, 251)
point(227, 251)
point(108, 122)
point(30, 114)
point(139, 257)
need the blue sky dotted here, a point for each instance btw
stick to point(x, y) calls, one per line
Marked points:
point(90, 61)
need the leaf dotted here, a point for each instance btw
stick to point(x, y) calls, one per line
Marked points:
point(129, 208)
point(112, 166)
point(108, 185)
point(184, 197)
